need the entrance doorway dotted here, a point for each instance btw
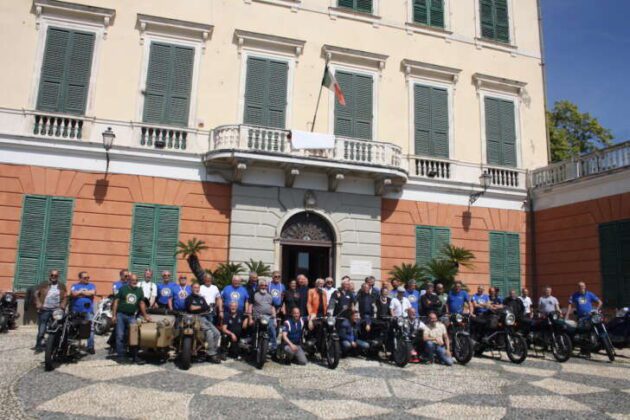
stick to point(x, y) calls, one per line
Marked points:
point(307, 242)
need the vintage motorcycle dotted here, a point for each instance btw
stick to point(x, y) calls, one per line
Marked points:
point(8, 312)
point(548, 332)
point(257, 344)
point(495, 330)
point(325, 341)
point(189, 340)
point(103, 316)
point(461, 342)
point(393, 337)
point(66, 331)
point(154, 339)
point(619, 328)
point(590, 334)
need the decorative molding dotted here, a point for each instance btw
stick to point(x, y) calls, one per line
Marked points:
point(347, 56)
point(75, 12)
point(199, 32)
point(484, 81)
point(307, 227)
point(294, 5)
point(430, 71)
point(266, 42)
point(346, 13)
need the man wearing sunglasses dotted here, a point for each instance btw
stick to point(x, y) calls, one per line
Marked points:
point(277, 289)
point(49, 296)
point(124, 279)
point(82, 302)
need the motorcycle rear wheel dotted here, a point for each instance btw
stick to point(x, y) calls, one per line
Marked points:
point(462, 348)
point(516, 348)
point(261, 353)
point(561, 347)
point(333, 353)
point(402, 354)
point(50, 354)
point(4, 324)
point(610, 351)
point(186, 355)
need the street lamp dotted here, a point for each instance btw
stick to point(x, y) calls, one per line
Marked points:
point(108, 142)
point(484, 181)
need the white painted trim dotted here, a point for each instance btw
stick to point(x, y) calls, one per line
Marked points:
point(149, 38)
point(375, 90)
point(412, 81)
point(70, 24)
point(516, 99)
point(334, 12)
point(290, 60)
point(447, 16)
point(480, 41)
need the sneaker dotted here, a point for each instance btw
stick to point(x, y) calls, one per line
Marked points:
point(90, 350)
point(214, 359)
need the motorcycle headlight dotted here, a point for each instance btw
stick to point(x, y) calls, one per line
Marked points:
point(459, 318)
point(58, 314)
point(8, 298)
point(596, 318)
point(264, 320)
point(622, 312)
point(188, 320)
point(510, 319)
point(554, 316)
point(330, 321)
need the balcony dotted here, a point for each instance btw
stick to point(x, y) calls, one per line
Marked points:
point(243, 145)
point(600, 162)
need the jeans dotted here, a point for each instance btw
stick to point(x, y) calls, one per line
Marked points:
point(432, 349)
point(212, 336)
point(42, 321)
point(90, 317)
point(298, 355)
point(362, 345)
point(122, 330)
point(273, 334)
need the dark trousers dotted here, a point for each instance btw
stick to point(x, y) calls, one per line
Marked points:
point(42, 321)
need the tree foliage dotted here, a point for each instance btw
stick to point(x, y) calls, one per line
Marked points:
point(572, 133)
point(406, 272)
point(190, 251)
point(224, 273)
point(259, 267)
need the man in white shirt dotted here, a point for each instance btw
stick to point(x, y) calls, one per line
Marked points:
point(212, 295)
point(329, 287)
point(400, 304)
point(149, 289)
point(527, 302)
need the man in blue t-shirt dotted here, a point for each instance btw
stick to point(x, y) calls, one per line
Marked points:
point(82, 294)
point(124, 279)
point(165, 292)
point(583, 301)
point(276, 289)
point(480, 301)
point(456, 299)
point(236, 292)
point(180, 292)
point(413, 295)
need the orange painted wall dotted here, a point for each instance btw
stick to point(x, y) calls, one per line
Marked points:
point(102, 219)
point(470, 228)
point(567, 243)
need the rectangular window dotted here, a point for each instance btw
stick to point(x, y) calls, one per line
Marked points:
point(154, 237)
point(364, 6)
point(168, 86)
point(614, 249)
point(429, 242)
point(505, 261)
point(66, 69)
point(494, 20)
point(44, 239)
point(266, 92)
point(355, 118)
point(431, 121)
point(429, 12)
point(500, 132)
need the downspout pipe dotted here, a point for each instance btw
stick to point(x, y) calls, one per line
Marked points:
point(543, 66)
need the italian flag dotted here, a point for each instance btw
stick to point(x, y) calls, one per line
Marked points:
point(331, 83)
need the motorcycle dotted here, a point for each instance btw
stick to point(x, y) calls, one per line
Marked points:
point(619, 328)
point(392, 336)
point(8, 312)
point(66, 331)
point(257, 344)
point(590, 334)
point(461, 342)
point(495, 330)
point(548, 333)
point(103, 317)
point(325, 341)
point(189, 339)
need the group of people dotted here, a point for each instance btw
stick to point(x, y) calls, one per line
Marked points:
point(295, 309)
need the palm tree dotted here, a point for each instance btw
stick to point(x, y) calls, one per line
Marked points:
point(190, 251)
point(224, 273)
point(405, 273)
point(259, 267)
point(458, 255)
point(440, 271)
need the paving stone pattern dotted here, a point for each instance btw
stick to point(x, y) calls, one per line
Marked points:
point(489, 388)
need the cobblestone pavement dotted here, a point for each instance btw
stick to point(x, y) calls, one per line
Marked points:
point(486, 388)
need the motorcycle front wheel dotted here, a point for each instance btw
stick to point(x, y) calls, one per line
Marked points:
point(261, 353)
point(4, 323)
point(401, 353)
point(462, 348)
point(516, 348)
point(561, 347)
point(333, 353)
point(102, 325)
point(606, 343)
point(50, 354)
point(186, 355)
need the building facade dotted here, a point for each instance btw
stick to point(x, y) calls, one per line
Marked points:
point(212, 104)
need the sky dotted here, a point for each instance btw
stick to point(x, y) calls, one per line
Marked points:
point(587, 51)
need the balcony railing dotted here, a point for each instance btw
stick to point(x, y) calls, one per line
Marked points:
point(601, 161)
point(57, 126)
point(163, 137)
point(270, 140)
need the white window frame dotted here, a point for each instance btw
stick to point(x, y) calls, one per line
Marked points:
point(46, 22)
point(413, 81)
point(480, 41)
point(375, 7)
point(447, 19)
point(291, 60)
point(484, 93)
point(147, 39)
point(375, 74)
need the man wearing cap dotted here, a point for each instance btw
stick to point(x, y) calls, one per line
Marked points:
point(400, 304)
point(413, 295)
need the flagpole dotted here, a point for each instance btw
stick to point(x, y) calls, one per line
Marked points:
point(319, 97)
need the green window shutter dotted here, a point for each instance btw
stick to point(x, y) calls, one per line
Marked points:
point(44, 239)
point(502, 23)
point(66, 69)
point(614, 248)
point(508, 133)
point(346, 3)
point(421, 12)
point(487, 18)
point(431, 121)
point(344, 115)
point(58, 236)
point(354, 119)
point(168, 86)
point(266, 92)
point(437, 13)
point(424, 235)
point(493, 131)
point(255, 91)
point(154, 238)
point(497, 260)
point(277, 99)
point(505, 261)
point(441, 237)
point(363, 6)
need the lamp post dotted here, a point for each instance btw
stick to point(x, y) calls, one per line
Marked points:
point(108, 142)
point(484, 181)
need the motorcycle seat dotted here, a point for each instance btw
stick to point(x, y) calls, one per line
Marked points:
point(571, 324)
